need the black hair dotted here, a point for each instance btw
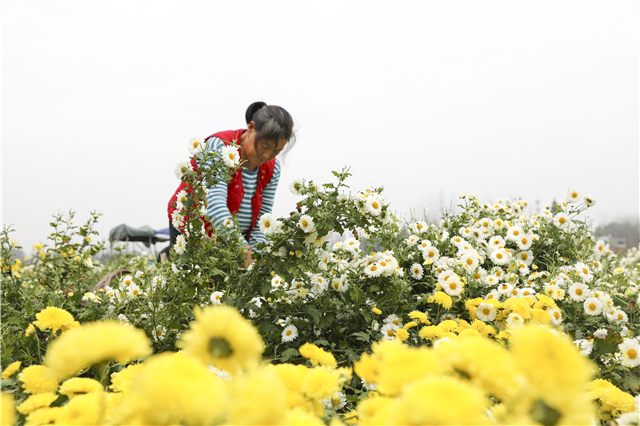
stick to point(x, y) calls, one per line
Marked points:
point(272, 122)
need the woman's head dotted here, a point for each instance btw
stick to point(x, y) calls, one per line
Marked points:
point(269, 130)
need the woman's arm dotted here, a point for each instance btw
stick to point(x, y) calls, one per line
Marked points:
point(268, 198)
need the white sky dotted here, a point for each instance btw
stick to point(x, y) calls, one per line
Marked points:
point(428, 99)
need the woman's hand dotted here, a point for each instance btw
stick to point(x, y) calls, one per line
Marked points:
point(248, 252)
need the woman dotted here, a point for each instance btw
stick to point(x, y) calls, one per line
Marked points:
point(251, 191)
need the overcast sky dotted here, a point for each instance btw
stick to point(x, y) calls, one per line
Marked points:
point(428, 99)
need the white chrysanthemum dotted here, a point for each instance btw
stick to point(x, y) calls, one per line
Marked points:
point(181, 168)
point(431, 253)
point(589, 200)
point(289, 333)
point(556, 316)
point(573, 195)
point(306, 224)
point(276, 281)
point(486, 312)
point(196, 145)
point(592, 306)
point(561, 220)
point(126, 281)
point(469, 260)
point(159, 333)
point(389, 331)
point(269, 225)
point(514, 233)
point(340, 284)
point(373, 270)
point(296, 186)
point(525, 257)
point(373, 206)
point(216, 297)
point(181, 244)
point(515, 320)
point(424, 244)
point(416, 271)
point(579, 292)
point(583, 272)
point(351, 244)
point(453, 286)
point(337, 401)
point(420, 227)
point(177, 219)
point(394, 319)
point(123, 319)
point(133, 291)
point(524, 242)
point(411, 240)
point(230, 156)
point(618, 316)
point(500, 256)
point(505, 288)
point(630, 350)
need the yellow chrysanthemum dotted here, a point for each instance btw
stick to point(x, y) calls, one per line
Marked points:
point(11, 369)
point(540, 316)
point(596, 387)
point(517, 305)
point(38, 379)
point(80, 386)
point(321, 382)
point(544, 302)
point(173, 388)
point(298, 416)
point(92, 343)
point(367, 367)
point(487, 364)
point(37, 401)
point(30, 330)
point(438, 400)
point(555, 370)
point(469, 333)
point(420, 316)
point(616, 401)
point(443, 299)
point(8, 414)
point(430, 332)
point(83, 410)
point(400, 365)
point(402, 334)
point(222, 337)
point(374, 410)
point(410, 325)
point(257, 399)
point(121, 381)
point(448, 325)
point(317, 355)
point(43, 416)
point(293, 377)
point(53, 318)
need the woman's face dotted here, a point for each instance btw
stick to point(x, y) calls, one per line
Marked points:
point(258, 153)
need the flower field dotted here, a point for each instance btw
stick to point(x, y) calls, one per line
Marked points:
point(348, 315)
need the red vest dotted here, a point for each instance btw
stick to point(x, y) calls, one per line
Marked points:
point(235, 190)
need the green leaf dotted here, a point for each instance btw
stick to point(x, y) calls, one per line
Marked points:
point(287, 354)
point(632, 382)
point(315, 315)
point(321, 342)
point(362, 336)
point(326, 320)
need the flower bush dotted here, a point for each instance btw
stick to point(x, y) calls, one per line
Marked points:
point(348, 314)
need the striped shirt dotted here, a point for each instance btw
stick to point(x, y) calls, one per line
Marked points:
point(217, 199)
